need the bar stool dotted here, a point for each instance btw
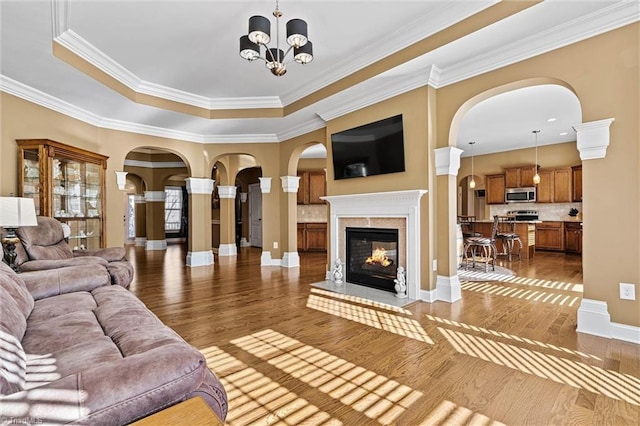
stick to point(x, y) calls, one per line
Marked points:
point(481, 245)
point(468, 225)
point(507, 234)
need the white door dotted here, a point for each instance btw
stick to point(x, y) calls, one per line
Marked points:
point(255, 215)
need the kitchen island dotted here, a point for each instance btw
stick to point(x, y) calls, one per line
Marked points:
point(526, 230)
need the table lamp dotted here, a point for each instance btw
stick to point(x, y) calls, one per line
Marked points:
point(14, 213)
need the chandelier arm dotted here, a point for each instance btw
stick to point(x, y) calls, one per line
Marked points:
point(268, 52)
point(285, 55)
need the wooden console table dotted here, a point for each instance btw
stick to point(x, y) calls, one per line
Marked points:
point(192, 412)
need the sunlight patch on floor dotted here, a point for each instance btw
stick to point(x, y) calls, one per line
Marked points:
point(538, 282)
point(376, 396)
point(449, 413)
point(392, 323)
point(510, 337)
point(576, 374)
point(521, 293)
point(256, 399)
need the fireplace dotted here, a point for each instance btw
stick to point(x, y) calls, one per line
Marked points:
point(372, 257)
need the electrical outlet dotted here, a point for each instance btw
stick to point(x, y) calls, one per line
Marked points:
point(627, 291)
point(434, 264)
point(275, 244)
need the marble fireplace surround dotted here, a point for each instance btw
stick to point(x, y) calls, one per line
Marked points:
point(396, 210)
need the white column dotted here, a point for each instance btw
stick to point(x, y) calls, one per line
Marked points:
point(448, 287)
point(199, 186)
point(140, 241)
point(227, 192)
point(290, 184)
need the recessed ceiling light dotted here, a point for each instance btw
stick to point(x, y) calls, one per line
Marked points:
point(563, 133)
point(552, 119)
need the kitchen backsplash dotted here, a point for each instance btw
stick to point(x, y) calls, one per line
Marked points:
point(312, 213)
point(553, 211)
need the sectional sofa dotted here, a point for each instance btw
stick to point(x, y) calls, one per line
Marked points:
point(91, 353)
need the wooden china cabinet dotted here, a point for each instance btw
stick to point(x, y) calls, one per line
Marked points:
point(66, 183)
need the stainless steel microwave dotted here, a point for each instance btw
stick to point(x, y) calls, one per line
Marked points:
point(520, 195)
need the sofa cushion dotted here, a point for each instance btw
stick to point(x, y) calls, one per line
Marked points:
point(40, 265)
point(45, 241)
point(61, 332)
point(110, 254)
point(51, 307)
point(17, 289)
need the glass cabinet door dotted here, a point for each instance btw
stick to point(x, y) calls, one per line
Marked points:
point(31, 177)
point(66, 183)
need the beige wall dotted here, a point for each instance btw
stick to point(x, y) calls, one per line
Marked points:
point(606, 83)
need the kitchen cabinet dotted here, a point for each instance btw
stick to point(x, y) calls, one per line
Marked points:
point(495, 185)
point(573, 237)
point(545, 187)
point(562, 185)
point(550, 236)
point(312, 236)
point(577, 183)
point(312, 186)
point(68, 184)
point(519, 177)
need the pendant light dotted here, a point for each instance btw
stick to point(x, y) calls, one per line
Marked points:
point(472, 183)
point(536, 177)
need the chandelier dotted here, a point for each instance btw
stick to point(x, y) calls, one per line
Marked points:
point(260, 35)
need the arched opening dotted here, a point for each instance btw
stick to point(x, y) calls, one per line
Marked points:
point(506, 154)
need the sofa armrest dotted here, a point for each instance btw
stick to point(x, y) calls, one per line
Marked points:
point(42, 265)
point(116, 392)
point(52, 282)
point(110, 254)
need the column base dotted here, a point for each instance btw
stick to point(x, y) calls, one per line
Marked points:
point(291, 259)
point(156, 245)
point(266, 260)
point(594, 318)
point(448, 288)
point(141, 241)
point(200, 258)
point(227, 250)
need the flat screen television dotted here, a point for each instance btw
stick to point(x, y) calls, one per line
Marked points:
point(372, 149)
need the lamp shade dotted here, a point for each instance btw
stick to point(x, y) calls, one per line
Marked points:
point(275, 57)
point(304, 54)
point(259, 29)
point(296, 32)
point(248, 49)
point(16, 212)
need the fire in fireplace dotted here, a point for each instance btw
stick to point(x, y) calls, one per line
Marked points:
point(372, 257)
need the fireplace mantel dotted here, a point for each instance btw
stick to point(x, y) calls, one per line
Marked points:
point(396, 204)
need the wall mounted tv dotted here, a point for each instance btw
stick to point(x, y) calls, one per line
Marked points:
point(372, 149)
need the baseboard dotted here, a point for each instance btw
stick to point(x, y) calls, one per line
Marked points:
point(291, 260)
point(429, 295)
point(628, 333)
point(448, 288)
point(266, 260)
point(200, 258)
point(156, 245)
point(141, 241)
point(244, 242)
point(227, 250)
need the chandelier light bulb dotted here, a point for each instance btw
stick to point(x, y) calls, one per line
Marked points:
point(536, 178)
point(472, 184)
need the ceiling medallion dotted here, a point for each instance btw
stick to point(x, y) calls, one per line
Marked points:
point(260, 35)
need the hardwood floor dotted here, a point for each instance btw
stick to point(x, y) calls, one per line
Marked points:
point(289, 353)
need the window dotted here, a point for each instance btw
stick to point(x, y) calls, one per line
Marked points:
point(172, 208)
point(131, 216)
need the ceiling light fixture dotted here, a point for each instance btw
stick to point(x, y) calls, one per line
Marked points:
point(472, 183)
point(536, 177)
point(551, 120)
point(260, 35)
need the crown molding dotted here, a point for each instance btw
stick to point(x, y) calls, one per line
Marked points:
point(394, 86)
point(315, 123)
point(610, 18)
point(22, 91)
point(154, 164)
